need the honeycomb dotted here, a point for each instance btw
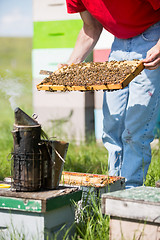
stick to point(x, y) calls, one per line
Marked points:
point(91, 76)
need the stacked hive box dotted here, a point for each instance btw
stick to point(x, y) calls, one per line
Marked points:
point(55, 33)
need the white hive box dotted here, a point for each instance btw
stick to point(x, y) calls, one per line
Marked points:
point(134, 213)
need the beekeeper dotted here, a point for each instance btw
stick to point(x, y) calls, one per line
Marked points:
point(129, 114)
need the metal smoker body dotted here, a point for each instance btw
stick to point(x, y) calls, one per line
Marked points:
point(27, 158)
point(36, 163)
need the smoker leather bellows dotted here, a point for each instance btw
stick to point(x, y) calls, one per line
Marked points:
point(37, 164)
point(53, 155)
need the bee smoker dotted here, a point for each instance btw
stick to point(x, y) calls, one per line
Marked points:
point(27, 162)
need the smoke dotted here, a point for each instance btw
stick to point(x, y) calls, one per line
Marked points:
point(12, 88)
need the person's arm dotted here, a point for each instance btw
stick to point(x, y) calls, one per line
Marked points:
point(152, 60)
point(86, 40)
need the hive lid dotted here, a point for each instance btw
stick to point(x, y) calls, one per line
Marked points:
point(91, 76)
point(139, 203)
point(39, 201)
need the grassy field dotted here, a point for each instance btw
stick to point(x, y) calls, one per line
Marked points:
point(16, 90)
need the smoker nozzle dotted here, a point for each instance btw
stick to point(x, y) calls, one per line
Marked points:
point(21, 118)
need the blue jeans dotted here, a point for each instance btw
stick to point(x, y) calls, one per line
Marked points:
point(130, 114)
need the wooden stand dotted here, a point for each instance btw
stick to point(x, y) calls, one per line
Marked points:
point(135, 213)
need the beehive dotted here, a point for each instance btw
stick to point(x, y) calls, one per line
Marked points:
point(38, 215)
point(92, 184)
point(92, 76)
point(134, 213)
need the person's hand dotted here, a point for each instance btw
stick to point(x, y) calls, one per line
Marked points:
point(152, 60)
point(60, 65)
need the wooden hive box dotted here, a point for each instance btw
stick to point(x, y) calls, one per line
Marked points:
point(134, 213)
point(94, 184)
point(38, 215)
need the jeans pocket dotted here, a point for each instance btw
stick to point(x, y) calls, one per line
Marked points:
point(152, 33)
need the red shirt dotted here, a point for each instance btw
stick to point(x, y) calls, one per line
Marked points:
point(123, 18)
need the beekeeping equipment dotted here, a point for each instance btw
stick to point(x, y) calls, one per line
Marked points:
point(23, 119)
point(37, 163)
point(134, 213)
point(36, 207)
point(27, 160)
point(38, 215)
point(92, 184)
point(91, 76)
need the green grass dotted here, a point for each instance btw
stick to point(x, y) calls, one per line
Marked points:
point(89, 158)
point(16, 81)
point(92, 224)
point(153, 174)
point(16, 55)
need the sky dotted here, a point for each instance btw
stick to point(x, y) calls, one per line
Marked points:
point(16, 18)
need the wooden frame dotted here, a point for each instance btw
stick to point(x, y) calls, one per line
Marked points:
point(121, 85)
